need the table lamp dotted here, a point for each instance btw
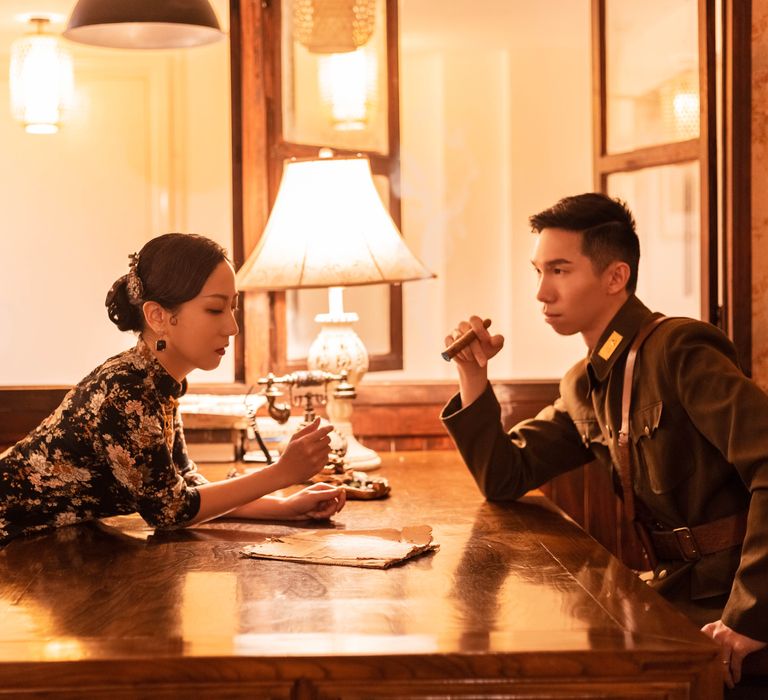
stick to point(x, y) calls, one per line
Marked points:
point(329, 228)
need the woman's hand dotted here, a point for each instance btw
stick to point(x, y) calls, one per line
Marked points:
point(305, 455)
point(316, 502)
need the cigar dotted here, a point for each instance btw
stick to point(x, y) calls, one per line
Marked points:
point(461, 342)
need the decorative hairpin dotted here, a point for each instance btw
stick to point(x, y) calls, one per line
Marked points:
point(133, 281)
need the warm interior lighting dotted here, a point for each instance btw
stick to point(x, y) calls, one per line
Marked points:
point(333, 26)
point(348, 87)
point(41, 79)
point(329, 228)
point(143, 24)
point(685, 106)
point(680, 105)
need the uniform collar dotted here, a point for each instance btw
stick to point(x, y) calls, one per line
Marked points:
point(166, 385)
point(616, 338)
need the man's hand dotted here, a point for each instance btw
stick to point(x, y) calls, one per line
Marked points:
point(478, 351)
point(733, 648)
point(472, 361)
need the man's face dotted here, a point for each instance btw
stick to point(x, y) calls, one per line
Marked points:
point(574, 297)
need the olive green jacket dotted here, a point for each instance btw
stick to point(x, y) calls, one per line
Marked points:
point(698, 437)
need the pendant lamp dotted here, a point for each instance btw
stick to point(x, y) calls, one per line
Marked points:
point(143, 24)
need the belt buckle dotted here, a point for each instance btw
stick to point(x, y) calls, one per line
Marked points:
point(686, 542)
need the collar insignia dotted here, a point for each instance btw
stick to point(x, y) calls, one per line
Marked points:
point(610, 345)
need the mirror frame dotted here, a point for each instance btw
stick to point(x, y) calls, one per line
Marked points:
point(258, 152)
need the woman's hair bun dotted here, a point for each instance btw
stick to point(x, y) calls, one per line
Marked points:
point(121, 312)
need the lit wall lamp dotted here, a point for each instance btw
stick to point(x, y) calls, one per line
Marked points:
point(143, 24)
point(337, 30)
point(329, 228)
point(348, 88)
point(680, 105)
point(333, 26)
point(41, 79)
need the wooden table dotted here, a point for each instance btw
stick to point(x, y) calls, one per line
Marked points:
point(518, 602)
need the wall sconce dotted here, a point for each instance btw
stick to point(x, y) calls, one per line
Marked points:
point(143, 24)
point(333, 26)
point(348, 83)
point(680, 105)
point(335, 31)
point(41, 79)
point(329, 228)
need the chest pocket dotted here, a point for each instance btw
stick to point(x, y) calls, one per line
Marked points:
point(589, 432)
point(655, 452)
point(645, 422)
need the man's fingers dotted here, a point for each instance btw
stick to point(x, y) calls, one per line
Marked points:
point(478, 326)
point(478, 353)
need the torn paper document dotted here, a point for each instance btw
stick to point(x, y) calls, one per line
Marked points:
point(370, 549)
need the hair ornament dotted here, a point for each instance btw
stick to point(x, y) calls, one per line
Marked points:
point(133, 281)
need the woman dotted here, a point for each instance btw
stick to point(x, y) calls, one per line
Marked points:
point(115, 445)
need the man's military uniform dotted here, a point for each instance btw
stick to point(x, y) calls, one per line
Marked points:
point(698, 436)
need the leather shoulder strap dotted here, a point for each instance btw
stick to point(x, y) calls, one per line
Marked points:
point(625, 461)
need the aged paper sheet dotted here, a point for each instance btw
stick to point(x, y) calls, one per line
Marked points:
point(370, 549)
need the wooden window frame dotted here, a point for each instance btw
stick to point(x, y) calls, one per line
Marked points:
point(731, 260)
point(258, 155)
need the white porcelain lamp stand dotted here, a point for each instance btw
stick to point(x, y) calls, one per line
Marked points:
point(338, 347)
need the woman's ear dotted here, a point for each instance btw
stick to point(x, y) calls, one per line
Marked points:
point(617, 276)
point(155, 316)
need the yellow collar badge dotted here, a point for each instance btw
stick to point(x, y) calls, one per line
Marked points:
point(610, 345)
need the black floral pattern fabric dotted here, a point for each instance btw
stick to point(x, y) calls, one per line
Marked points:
point(115, 445)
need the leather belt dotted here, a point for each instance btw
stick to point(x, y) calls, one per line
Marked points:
point(692, 543)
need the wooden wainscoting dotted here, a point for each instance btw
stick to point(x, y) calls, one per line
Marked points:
point(23, 407)
point(388, 416)
point(401, 416)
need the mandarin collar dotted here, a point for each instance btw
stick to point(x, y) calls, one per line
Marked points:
point(617, 337)
point(164, 382)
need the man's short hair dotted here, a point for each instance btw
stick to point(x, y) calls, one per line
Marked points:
point(607, 227)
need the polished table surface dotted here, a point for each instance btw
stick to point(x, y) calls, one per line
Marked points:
point(517, 602)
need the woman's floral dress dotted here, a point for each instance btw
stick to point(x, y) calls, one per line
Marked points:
point(115, 445)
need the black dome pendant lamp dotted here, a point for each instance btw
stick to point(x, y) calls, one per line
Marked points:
point(143, 24)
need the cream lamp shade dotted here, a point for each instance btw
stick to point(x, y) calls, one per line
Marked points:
point(143, 24)
point(329, 228)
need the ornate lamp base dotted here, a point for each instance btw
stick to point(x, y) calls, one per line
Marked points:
point(338, 347)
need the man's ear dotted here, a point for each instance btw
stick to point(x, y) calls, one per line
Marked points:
point(155, 316)
point(617, 276)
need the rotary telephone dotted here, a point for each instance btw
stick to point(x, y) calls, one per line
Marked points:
point(305, 388)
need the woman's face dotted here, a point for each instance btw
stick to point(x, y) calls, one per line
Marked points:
point(197, 335)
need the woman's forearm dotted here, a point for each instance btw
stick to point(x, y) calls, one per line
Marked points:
point(221, 497)
point(265, 508)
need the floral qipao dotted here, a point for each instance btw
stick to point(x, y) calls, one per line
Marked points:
point(115, 445)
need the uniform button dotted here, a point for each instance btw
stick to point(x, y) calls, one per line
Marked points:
point(662, 574)
point(647, 430)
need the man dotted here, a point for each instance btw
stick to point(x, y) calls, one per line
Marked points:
point(698, 429)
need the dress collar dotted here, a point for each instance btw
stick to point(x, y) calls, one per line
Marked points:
point(617, 337)
point(165, 383)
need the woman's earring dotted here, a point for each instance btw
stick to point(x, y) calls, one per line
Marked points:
point(160, 345)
